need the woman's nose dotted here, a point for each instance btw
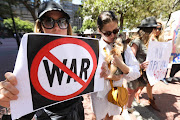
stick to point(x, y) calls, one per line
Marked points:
point(112, 35)
point(56, 25)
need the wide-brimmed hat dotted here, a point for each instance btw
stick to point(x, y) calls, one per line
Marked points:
point(148, 22)
point(49, 6)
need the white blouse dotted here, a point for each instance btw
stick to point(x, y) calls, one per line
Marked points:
point(100, 104)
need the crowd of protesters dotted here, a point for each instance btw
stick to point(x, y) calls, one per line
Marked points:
point(53, 19)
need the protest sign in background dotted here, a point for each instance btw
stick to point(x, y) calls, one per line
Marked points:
point(158, 56)
point(175, 31)
point(52, 68)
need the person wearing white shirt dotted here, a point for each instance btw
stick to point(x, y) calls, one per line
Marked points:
point(108, 27)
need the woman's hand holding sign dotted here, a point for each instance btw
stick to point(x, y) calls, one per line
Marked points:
point(8, 91)
point(144, 65)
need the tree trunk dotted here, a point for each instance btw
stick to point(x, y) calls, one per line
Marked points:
point(14, 25)
point(31, 10)
point(121, 21)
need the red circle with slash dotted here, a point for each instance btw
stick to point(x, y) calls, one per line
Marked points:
point(45, 52)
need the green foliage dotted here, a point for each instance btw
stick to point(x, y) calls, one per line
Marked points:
point(21, 26)
point(5, 10)
point(94, 7)
point(75, 29)
point(66, 0)
point(88, 24)
point(130, 12)
point(31, 6)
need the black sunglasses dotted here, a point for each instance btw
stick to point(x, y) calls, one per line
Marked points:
point(49, 23)
point(108, 33)
point(159, 28)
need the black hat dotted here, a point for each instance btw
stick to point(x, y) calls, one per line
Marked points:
point(49, 6)
point(148, 22)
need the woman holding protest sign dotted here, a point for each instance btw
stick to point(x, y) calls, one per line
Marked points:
point(139, 47)
point(51, 19)
point(108, 27)
point(156, 35)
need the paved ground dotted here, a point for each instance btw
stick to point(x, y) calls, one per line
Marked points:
point(8, 52)
point(167, 96)
point(167, 99)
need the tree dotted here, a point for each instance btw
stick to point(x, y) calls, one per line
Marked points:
point(130, 12)
point(6, 11)
point(94, 7)
point(8, 4)
point(66, 0)
point(75, 30)
point(22, 26)
point(31, 6)
point(88, 24)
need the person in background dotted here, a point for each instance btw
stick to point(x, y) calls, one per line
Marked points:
point(174, 69)
point(139, 45)
point(108, 28)
point(51, 19)
point(160, 31)
point(156, 35)
point(173, 24)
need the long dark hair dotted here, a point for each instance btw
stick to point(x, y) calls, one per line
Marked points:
point(106, 17)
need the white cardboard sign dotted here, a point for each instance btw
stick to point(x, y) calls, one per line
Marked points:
point(158, 56)
point(56, 68)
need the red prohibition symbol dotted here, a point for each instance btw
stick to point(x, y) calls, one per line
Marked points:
point(45, 52)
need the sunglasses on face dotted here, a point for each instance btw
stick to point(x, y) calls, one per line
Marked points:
point(159, 29)
point(49, 23)
point(147, 30)
point(108, 33)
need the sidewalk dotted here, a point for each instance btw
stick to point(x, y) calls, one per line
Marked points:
point(141, 112)
point(167, 99)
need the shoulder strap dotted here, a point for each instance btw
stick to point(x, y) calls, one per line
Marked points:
point(111, 83)
point(105, 51)
point(123, 56)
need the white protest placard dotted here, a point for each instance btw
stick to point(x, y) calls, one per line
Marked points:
point(158, 56)
point(52, 68)
point(174, 25)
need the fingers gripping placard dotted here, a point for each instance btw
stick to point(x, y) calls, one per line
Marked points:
point(53, 68)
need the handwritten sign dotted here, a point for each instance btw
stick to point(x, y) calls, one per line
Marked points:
point(158, 56)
